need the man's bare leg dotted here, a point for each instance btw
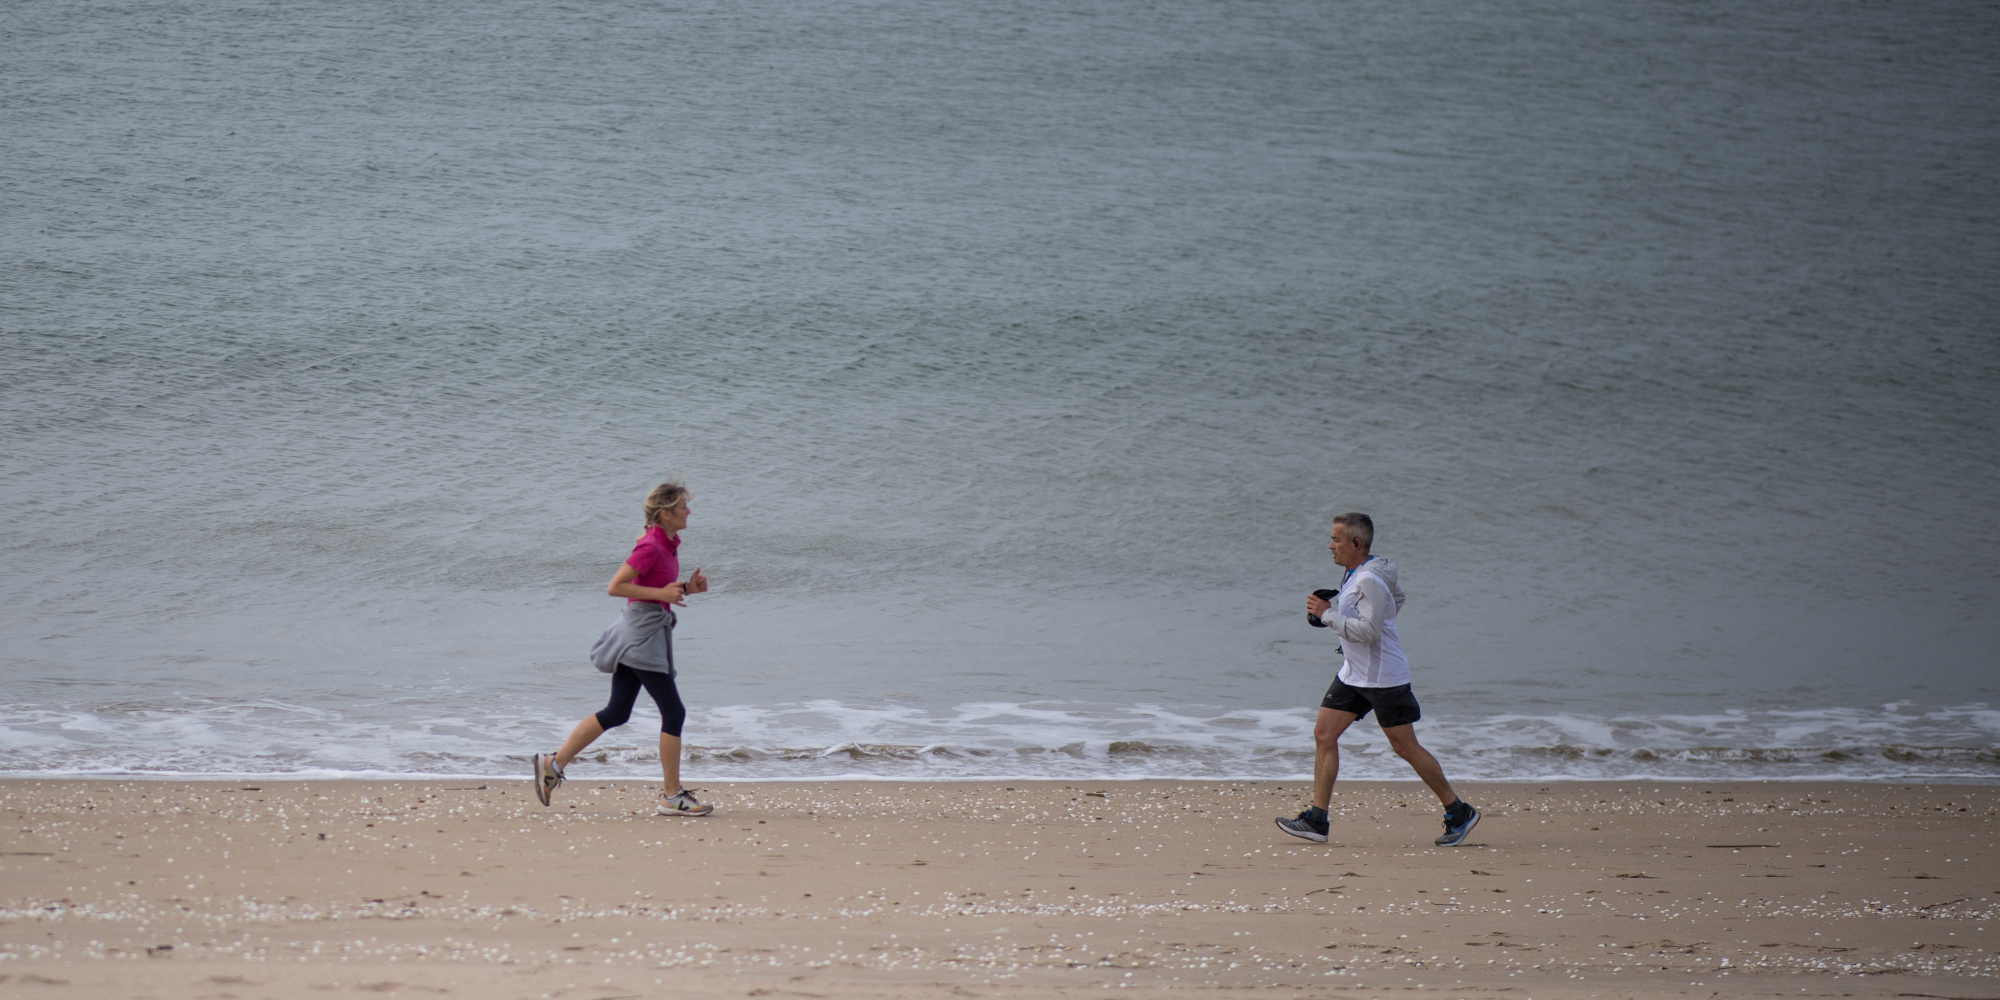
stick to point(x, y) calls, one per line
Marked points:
point(1326, 752)
point(1403, 740)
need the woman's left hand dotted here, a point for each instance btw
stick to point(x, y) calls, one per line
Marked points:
point(696, 583)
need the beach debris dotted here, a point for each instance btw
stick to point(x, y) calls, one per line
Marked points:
point(1948, 902)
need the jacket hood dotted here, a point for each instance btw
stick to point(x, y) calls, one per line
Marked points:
point(1385, 568)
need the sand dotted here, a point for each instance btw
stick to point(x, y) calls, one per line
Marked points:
point(1021, 889)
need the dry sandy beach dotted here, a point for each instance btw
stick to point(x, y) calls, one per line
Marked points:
point(1023, 889)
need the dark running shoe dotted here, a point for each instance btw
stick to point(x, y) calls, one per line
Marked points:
point(1456, 827)
point(1304, 827)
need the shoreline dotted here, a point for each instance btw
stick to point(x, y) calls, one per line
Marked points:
point(999, 888)
point(71, 737)
point(396, 776)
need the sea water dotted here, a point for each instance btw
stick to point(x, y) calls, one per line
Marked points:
point(1017, 355)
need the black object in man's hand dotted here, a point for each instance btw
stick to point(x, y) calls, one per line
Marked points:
point(1324, 595)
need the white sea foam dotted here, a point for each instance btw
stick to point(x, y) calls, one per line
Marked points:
point(824, 739)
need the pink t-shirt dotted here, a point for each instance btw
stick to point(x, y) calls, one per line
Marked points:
point(657, 559)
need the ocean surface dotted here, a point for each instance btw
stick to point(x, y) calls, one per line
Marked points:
point(1017, 355)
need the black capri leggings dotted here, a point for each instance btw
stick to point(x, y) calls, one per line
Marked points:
point(625, 684)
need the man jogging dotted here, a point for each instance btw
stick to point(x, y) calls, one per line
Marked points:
point(1374, 676)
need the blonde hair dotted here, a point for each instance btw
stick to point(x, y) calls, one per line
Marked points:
point(665, 496)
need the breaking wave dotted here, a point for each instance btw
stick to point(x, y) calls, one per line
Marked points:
point(827, 739)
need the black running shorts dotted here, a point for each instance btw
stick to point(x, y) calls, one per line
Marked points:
point(1393, 707)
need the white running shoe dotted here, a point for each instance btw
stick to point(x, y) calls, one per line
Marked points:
point(547, 776)
point(682, 803)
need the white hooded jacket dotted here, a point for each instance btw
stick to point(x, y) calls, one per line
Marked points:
point(1364, 617)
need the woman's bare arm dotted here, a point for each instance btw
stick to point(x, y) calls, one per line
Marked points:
point(622, 586)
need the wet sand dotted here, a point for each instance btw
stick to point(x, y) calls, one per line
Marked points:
point(1023, 889)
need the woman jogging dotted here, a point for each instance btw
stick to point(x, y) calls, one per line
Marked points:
point(638, 651)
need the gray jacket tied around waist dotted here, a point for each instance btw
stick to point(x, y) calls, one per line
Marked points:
point(642, 638)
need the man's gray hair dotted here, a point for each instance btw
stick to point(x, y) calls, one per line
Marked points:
point(1360, 528)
